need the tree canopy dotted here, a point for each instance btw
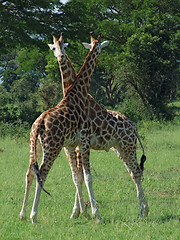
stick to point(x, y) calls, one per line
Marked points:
point(138, 74)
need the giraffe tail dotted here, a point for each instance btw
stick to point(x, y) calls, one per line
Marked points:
point(143, 157)
point(37, 174)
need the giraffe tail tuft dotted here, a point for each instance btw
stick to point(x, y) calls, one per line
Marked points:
point(143, 159)
point(37, 174)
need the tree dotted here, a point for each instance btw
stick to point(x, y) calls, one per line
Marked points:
point(149, 61)
point(50, 89)
point(140, 64)
point(28, 22)
point(20, 77)
point(145, 45)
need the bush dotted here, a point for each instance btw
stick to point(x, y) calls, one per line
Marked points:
point(17, 129)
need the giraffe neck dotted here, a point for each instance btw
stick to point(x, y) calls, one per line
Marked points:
point(87, 70)
point(68, 74)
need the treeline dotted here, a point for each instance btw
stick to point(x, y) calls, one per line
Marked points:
point(138, 73)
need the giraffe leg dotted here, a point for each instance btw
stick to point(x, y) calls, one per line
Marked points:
point(88, 182)
point(79, 206)
point(76, 208)
point(34, 210)
point(29, 179)
point(44, 169)
point(130, 162)
point(143, 205)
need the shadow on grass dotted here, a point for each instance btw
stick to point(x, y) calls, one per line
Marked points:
point(167, 218)
point(161, 219)
point(126, 221)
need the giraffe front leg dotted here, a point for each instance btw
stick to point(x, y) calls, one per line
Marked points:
point(88, 182)
point(76, 208)
point(77, 176)
point(79, 206)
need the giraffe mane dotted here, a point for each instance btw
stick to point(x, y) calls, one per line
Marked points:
point(90, 52)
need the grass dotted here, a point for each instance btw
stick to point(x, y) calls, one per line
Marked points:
point(114, 190)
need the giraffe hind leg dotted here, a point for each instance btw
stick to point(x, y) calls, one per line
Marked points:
point(37, 174)
point(39, 186)
point(43, 171)
point(135, 171)
point(29, 178)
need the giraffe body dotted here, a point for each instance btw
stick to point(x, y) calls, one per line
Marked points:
point(107, 129)
point(67, 125)
point(110, 130)
point(113, 130)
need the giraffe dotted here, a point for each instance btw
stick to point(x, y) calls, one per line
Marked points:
point(67, 124)
point(109, 130)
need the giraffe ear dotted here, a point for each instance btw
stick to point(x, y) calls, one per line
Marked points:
point(51, 46)
point(104, 44)
point(87, 45)
point(66, 44)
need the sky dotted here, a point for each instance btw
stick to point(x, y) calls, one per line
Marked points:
point(64, 1)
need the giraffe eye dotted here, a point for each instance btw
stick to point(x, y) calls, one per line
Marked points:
point(53, 48)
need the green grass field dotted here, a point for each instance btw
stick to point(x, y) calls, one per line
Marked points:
point(114, 191)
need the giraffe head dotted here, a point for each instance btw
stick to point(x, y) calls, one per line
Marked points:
point(96, 43)
point(58, 47)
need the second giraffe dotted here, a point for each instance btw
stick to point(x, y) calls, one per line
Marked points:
point(109, 129)
point(68, 125)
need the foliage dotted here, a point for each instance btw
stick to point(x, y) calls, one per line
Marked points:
point(27, 22)
point(145, 65)
point(16, 130)
point(137, 73)
point(149, 48)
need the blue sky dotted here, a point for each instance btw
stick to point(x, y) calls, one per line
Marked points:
point(64, 1)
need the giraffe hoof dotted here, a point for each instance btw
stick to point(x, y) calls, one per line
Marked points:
point(97, 217)
point(143, 211)
point(75, 214)
point(22, 216)
point(146, 211)
point(33, 218)
point(86, 215)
